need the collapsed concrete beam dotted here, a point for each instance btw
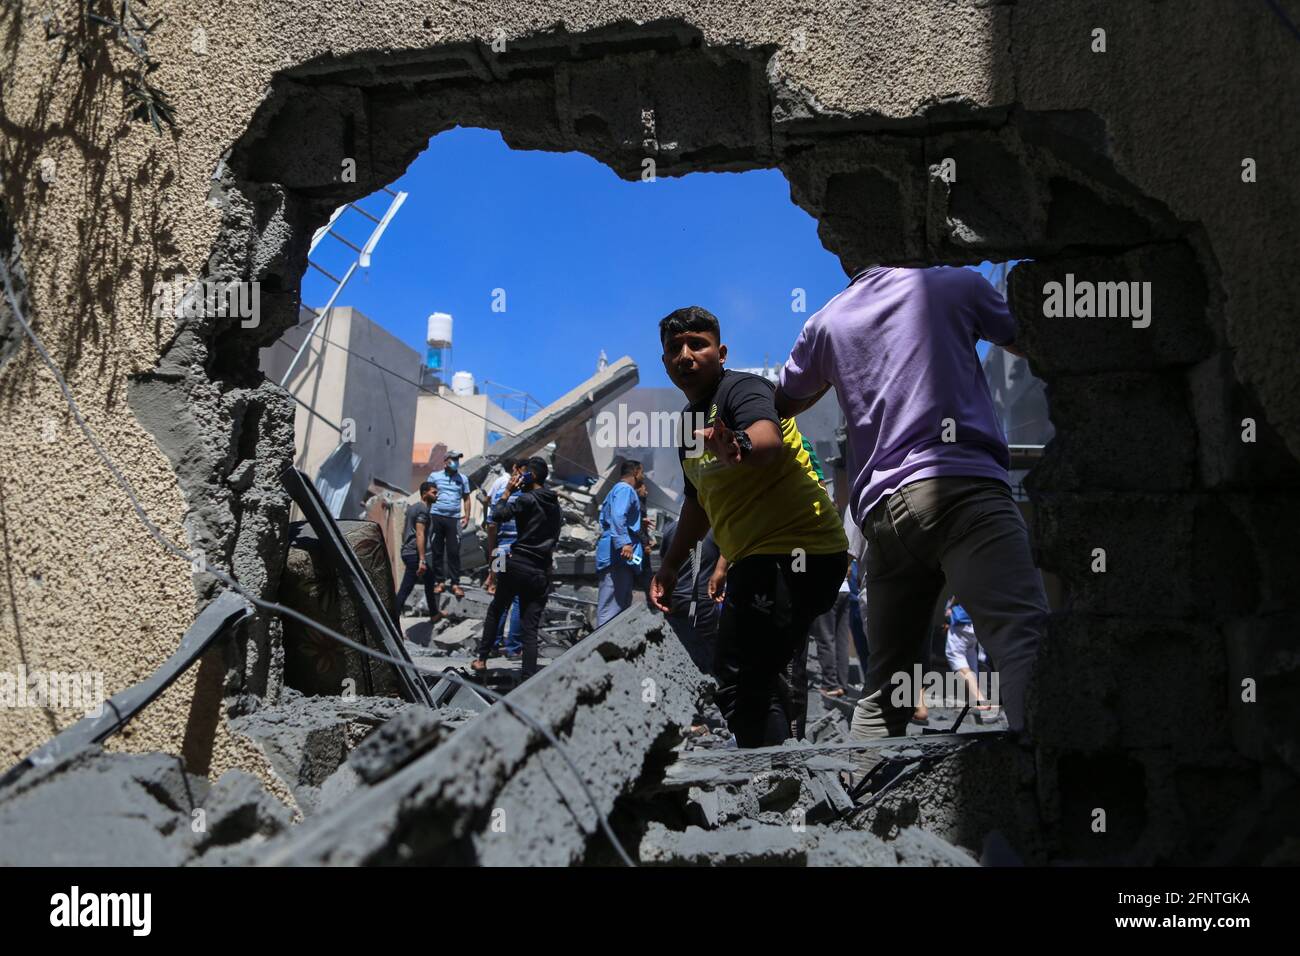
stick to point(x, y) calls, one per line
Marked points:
point(496, 792)
point(574, 407)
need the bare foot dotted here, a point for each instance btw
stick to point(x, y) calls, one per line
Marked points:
point(457, 591)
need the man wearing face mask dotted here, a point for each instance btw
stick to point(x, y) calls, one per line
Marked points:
point(448, 515)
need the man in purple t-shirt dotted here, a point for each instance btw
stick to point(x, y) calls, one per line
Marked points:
point(929, 460)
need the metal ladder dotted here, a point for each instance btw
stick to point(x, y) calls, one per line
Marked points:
point(362, 261)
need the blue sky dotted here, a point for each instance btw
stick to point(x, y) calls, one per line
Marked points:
point(586, 260)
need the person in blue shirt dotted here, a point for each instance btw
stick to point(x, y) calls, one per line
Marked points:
point(448, 516)
point(500, 536)
point(619, 553)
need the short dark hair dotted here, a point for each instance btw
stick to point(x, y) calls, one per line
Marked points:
point(508, 464)
point(426, 485)
point(539, 469)
point(690, 319)
point(629, 466)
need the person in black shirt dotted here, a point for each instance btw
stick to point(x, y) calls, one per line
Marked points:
point(536, 513)
point(749, 478)
point(415, 536)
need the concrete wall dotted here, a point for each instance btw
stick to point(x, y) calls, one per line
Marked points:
point(344, 376)
point(1124, 162)
point(461, 422)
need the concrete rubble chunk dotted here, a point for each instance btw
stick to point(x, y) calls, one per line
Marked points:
point(110, 809)
point(307, 738)
point(748, 843)
point(238, 808)
point(100, 809)
point(459, 633)
point(496, 792)
point(397, 742)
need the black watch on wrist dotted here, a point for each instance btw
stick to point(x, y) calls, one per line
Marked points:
point(746, 446)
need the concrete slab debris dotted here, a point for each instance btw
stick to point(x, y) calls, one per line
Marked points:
point(755, 844)
point(496, 793)
point(108, 809)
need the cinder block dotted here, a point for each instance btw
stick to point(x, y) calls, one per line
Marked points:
point(1118, 431)
point(1179, 331)
point(1147, 542)
point(994, 204)
point(327, 125)
point(1226, 414)
point(1130, 683)
point(869, 196)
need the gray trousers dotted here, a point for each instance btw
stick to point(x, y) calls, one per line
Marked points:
point(966, 534)
point(832, 635)
point(615, 591)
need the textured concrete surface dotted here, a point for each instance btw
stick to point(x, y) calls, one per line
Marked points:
point(102, 809)
point(755, 844)
point(496, 793)
point(1124, 163)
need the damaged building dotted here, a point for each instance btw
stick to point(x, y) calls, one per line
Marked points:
point(1167, 688)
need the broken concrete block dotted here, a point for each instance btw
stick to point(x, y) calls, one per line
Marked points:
point(748, 843)
point(238, 808)
point(397, 743)
point(101, 809)
point(744, 844)
point(578, 537)
point(917, 847)
point(497, 792)
point(459, 634)
point(307, 738)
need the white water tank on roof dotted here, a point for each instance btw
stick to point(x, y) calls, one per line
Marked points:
point(462, 383)
point(439, 330)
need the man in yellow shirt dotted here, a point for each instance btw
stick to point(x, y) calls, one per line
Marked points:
point(749, 477)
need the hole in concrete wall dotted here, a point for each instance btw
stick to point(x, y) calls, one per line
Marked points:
point(1029, 185)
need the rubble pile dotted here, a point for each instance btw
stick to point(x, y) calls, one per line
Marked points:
point(379, 780)
point(386, 752)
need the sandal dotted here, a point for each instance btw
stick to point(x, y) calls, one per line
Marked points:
point(457, 591)
point(438, 588)
point(478, 666)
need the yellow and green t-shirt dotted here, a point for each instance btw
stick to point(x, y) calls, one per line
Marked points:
point(771, 509)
